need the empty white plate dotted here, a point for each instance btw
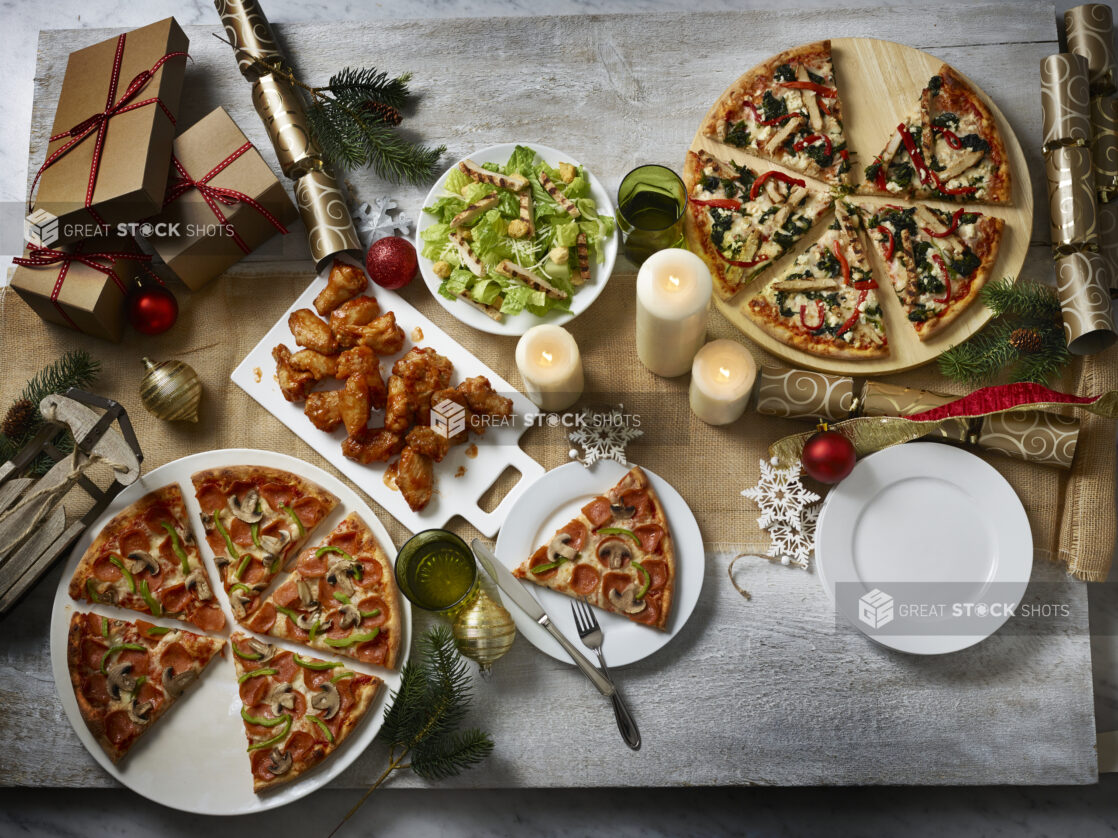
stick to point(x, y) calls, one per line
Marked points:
point(927, 541)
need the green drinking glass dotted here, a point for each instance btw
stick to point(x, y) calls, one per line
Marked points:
point(436, 571)
point(650, 204)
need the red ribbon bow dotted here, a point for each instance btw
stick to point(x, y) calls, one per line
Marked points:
point(98, 122)
point(219, 194)
point(43, 256)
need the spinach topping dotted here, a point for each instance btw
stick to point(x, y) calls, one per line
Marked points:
point(792, 230)
point(859, 274)
point(918, 315)
point(738, 135)
point(899, 220)
point(746, 178)
point(968, 218)
point(974, 143)
point(784, 73)
point(829, 265)
point(815, 77)
point(818, 153)
point(720, 220)
point(966, 264)
point(711, 183)
point(872, 169)
point(769, 212)
point(920, 253)
point(946, 120)
point(934, 84)
point(730, 185)
point(930, 285)
point(901, 174)
point(771, 107)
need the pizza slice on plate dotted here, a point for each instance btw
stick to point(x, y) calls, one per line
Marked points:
point(948, 148)
point(618, 553)
point(787, 110)
point(126, 675)
point(938, 260)
point(296, 710)
point(826, 302)
point(146, 559)
point(740, 221)
point(255, 518)
point(341, 598)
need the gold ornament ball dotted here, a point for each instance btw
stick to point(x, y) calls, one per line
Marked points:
point(171, 390)
point(484, 631)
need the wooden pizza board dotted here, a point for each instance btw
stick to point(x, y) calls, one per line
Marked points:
point(880, 84)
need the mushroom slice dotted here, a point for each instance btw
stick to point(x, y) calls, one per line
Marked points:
point(197, 580)
point(627, 601)
point(282, 697)
point(247, 508)
point(511, 269)
point(174, 685)
point(482, 205)
point(350, 616)
point(515, 182)
point(340, 574)
point(239, 598)
point(326, 701)
point(207, 521)
point(307, 621)
point(140, 713)
point(140, 560)
point(306, 596)
point(119, 680)
point(560, 548)
point(622, 510)
point(279, 762)
point(265, 650)
point(614, 552)
point(469, 258)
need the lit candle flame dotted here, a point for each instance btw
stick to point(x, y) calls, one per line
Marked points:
point(674, 282)
point(724, 373)
point(546, 358)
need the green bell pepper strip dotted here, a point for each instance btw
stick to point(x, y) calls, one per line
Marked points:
point(358, 571)
point(153, 604)
point(374, 613)
point(240, 571)
point(275, 565)
point(544, 568)
point(340, 597)
point(104, 627)
point(618, 531)
point(245, 656)
point(233, 554)
point(319, 665)
point(252, 673)
point(127, 573)
point(119, 647)
point(314, 631)
point(287, 612)
point(279, 737)
point(157, 631)
point(139, 683)
point(258, 720)
point(302, 530)
point(325, 729)
point(92, 591)
point(176, 546)
point(246, 588)
point(254, 530)
point(644, 575)
point(341, 675)
point(346, 642)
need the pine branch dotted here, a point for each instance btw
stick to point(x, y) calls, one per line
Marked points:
point(448, 755)
point(367, 83)
point(1021, 299)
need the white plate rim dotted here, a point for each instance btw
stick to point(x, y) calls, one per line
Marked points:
point(944, 462)
point(625, 641)
point(63, 607)
point(518, 324)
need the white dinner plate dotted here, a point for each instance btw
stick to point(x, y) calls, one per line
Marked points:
point(194, 758)
point(520, 323)
point(926, 534)
point(553, 501)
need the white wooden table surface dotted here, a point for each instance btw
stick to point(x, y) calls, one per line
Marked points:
point(766, 692)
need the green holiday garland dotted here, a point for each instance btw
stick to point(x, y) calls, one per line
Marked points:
point(1024, 342)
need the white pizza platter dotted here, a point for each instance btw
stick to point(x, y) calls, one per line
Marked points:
point(550, 503)
point(926, 523)
point(194, 758)
point(461, 479)
point(518, 324)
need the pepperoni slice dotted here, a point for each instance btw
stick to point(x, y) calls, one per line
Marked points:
point(657, 573)
point(254, 690)
point(585, 579)
point(210, 498)
point(105, 570)
point(92, 652)
point(312, 565)
point(240, 532)
point(277, 495)
point(651, 613)
point(175, 599)
point(255, 572)
point(299, 745)
point(597, 511)
point(156, 516)
point(371, 573)
point(238, 489)
point(375, 651)
point(287, 595)
point(119, 728)
point(152, 693)
point(140, 661)
point(285, 666)
point(96, 689)
point(176, 657)
point(638, 499)
point(166, 551)
point(373, 603)
point(264, 618)
point(538, 558)
point(208, 617)
point(578, 533)
point(261, 759)
point(134, 540)
point(309, 510)
point(314, 677)
point(258, 733)
point(615, 582)
point(650, 536)
point(300, 707)
point(347, 541)
point(93, 623)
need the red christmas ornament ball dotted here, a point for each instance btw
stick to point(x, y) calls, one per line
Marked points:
point(828, 456)
point(152, 309)
point(391, 262)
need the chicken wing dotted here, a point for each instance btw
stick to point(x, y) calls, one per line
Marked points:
point(459, 398)
point(372, 445)
point(415, 478)
point(355, 312)
point(428, 442)
point(382, 335)
point(293, 382)
point(483, 399)
point(424, 371)
point(324, 409)
point(353, 403)
point(346, 281)
point(398, 409)
point(361, 359)
point(311, 332)
point(319, 365)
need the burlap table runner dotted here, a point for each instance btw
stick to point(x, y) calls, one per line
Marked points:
point(1071, 513)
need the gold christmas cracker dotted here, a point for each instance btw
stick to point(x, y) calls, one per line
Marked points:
point(1064, 101)
point(248, 28)
point(325, 213)
point(1104, 147)
point(1090, 33)
point(801, 394)
point(890, 400)
point(281, 111)
point(1108, 243)
point(1083, 286)
point(1071, 200)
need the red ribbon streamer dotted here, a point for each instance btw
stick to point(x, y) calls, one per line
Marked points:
point(43, 257)
point(214, 195)
point(98, 122)
point(998, 398)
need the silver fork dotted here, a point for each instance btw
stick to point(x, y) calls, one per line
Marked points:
point(590, 633)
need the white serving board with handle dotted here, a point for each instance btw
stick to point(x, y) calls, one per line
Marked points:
point(460, 480)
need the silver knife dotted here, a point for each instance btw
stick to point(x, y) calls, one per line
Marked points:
point(511, 586)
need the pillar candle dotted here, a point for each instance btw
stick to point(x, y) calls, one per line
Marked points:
point(673, 299)
point(551, 366)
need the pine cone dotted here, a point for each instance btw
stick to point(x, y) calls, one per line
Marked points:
point(385, 113)
point(1025, 340)
point(17, 420)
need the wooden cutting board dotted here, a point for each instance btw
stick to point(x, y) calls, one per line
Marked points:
point(880, 84)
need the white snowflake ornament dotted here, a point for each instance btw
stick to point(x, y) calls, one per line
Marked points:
point(780, 496)
point(374, 221)
point(601, 435)
point(791, 546)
